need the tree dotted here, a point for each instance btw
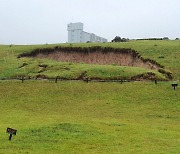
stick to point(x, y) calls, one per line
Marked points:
point(119, 39)
point(165, 38)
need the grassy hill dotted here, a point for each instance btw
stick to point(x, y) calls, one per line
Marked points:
point(167, 53)
point(95, 117)
point(79, 117)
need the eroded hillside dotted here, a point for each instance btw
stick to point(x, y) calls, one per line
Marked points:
point(98, 55)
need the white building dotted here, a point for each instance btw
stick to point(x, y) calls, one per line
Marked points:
point(77, 35)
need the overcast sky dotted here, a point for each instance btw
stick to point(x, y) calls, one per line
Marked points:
point(45, 21)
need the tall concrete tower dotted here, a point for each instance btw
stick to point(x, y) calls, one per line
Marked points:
point(75, 32)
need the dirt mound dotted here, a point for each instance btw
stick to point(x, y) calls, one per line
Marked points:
point(95, 55)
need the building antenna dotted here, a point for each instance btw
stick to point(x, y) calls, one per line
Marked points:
point(72, 19)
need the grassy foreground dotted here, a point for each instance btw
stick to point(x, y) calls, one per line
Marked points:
point(76, 117)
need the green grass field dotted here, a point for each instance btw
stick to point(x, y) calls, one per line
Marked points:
point(76, 117)
point(166, 53)
point(95, 117)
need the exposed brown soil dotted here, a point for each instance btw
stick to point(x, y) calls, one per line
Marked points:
point(95, 55)
point(99, 58)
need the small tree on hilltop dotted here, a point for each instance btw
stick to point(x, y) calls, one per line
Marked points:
point(117, 39)
point(165, 38)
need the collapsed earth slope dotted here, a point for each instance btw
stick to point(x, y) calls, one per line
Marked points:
point(98, 55)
